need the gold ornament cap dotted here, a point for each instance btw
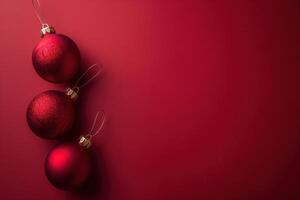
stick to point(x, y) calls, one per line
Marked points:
point(46, 29)
point(72, 93)
point(85, 141)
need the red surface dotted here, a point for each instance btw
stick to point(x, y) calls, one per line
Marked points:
point(202, 98)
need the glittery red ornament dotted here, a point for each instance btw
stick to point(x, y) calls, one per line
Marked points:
point(56, 58)
point(68, 166)
point(51, 114)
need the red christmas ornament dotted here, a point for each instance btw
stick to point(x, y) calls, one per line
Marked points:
point(51, 114)
point(68, 165)
point(56, 58)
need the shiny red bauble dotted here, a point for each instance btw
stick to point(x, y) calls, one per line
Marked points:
point(68, 166)
point(51, 114)
point(56, 58)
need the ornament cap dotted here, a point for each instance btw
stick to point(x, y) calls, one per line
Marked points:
point(85, 141)
point(46, 29)
point(72, 93)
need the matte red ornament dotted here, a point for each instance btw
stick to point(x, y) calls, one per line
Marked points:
point(51, 114)
point(56, 58)
point(68, 166)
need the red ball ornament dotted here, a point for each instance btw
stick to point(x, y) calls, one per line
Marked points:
point(56, 57)
point(51, 114)
point(68, 166)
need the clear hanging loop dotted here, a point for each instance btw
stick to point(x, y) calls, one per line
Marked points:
point(86, 140)
point(73, 91)
point(78, 85)
point(46, 28)
point(92, 132)
point(38, 12)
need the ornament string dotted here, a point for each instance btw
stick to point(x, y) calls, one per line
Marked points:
point(92, 133)
point(38, 12)
point(78, 85)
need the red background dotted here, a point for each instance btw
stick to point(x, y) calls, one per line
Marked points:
point(202, 97)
